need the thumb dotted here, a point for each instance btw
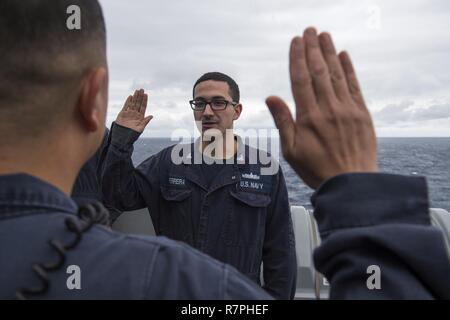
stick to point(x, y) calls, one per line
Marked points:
point(147, 120)
point(283, 121)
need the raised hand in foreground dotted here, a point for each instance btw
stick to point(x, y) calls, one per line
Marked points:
point(332, 132)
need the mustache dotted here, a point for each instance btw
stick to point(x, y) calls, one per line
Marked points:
point(209, 120)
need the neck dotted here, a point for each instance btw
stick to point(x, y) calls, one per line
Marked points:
point(223, 146)
point(51, 164)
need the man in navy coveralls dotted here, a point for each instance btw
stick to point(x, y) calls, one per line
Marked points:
point(53, 93)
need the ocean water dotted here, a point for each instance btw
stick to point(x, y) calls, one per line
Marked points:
point(429, 157)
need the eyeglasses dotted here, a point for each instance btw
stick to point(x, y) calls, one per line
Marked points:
point(216, 104)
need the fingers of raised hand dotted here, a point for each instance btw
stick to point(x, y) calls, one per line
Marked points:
point(127, 103)
point(301, 82)
point(335, 70)
point(317, 67)
point(143, 106)
point(134, 105)
point(352, 81)
point(140, 99)
point(137, 102)
point(130, 101)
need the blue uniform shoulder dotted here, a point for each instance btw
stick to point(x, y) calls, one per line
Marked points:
point(175, 270)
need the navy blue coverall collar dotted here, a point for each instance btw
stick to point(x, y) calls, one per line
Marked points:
point(193, 171)
point(22, 194)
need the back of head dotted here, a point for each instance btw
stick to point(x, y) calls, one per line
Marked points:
point(43, 61)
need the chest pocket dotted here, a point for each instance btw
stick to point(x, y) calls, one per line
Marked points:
point(175, 216)
point(245, 221)
point(175, 194)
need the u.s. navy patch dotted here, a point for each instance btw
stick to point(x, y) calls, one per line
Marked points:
point(254, 182)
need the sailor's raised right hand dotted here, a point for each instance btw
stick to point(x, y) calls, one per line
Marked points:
point(132, 114)
point(332, 132)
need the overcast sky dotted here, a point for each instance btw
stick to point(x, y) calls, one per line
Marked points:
point(401, 51)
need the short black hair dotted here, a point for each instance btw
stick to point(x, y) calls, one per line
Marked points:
point(33, 29)
point(41, 59)
point(218, 76)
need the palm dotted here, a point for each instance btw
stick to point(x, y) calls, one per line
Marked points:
point(132, 114)
point(131, 119)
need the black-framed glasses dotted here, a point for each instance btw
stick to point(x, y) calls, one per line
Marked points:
point(216, 104)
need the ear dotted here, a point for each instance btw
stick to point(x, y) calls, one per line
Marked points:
point(92, 101)
point(237, 111)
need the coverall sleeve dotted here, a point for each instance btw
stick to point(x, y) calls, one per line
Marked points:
point(377, 240)
point(279, 258)
point(122, 185)
point(101, 153)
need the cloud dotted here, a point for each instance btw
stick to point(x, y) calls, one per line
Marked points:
point(393, 113)
point(434, 112)
point(407, 113)
point(164, 46)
